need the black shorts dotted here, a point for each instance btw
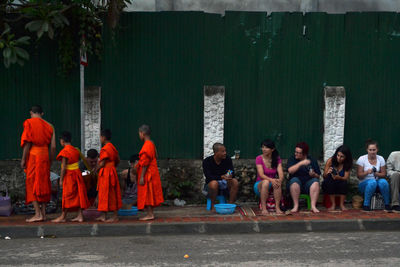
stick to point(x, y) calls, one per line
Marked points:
point(334, 187)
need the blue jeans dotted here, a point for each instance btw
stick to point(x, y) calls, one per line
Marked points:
point(368, 188)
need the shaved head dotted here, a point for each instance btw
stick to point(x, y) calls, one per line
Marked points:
point(145, 129)
point(36, 109)
point(216, 147)
point(66, 136)
point(106, 133)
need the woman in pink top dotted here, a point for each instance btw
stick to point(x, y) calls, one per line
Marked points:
point(269, 166)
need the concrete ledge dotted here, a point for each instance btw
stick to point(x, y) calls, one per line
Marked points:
point(191, 228)
point(336, 226)
point(230, 228)
point(177, 228)
point(381, 225)
point(282, 227)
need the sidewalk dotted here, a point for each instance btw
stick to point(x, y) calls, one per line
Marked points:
point(197, 220)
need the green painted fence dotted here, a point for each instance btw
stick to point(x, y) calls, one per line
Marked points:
point(274, 68)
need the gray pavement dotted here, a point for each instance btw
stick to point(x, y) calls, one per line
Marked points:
point(195, 228)
point(306, 249)
point(197, 220)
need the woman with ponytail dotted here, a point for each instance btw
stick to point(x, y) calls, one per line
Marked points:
point(371, 170)
point(269, 175)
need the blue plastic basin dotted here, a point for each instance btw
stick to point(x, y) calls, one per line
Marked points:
point(131, 212)
point(225, 208)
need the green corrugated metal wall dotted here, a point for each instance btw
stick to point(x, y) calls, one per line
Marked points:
point(155, 69)
point(371, 58)
point(273, 70)
point(274, 78)
point(37, 83)
point(152, 74)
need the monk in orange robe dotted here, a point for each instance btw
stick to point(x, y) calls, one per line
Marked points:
point(150, 193)
point(109, 193)
point(36, 138)
point(74, 193)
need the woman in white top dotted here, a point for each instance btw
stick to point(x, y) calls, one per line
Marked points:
point(371, 171)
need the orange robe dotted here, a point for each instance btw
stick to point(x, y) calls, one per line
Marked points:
point(109, 195)
point(149, 194)
point(74, 193)
point(38, 186)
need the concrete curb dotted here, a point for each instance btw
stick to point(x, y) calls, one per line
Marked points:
point(191, 228)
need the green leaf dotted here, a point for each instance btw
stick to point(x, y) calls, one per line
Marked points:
point(7, 52)
point(10, 37)
point(64, 19)
point(45, 26)
point(35, 25)
point(6, 62)
point(13, 57)
point(57, 21)
point(53, 13)
point(24, 40)
point(7, 29)
point(51, 32)
point(22, 53)
point(39, 33)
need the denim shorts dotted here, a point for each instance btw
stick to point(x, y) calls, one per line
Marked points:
point(222, 189)
point(255, 187)
point(304, 187)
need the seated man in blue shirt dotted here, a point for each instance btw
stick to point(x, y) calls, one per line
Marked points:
point(304, 175)
point(220, 175)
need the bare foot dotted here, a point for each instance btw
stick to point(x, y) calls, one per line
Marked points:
point(279, 212)
point(112, 219)
point(77, 219)
point(332, 208)
point(101, 218)
point(315, 210)
point(59, 220)
point(146, 218)
point(264, 212)
point(35, 219)
point(343, 208)
point(294, 210)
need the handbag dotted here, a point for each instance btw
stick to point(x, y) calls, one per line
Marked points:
point(377, 202)
point(271, 204)
point(5, 204)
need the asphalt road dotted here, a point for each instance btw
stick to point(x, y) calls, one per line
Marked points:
point(326, 249)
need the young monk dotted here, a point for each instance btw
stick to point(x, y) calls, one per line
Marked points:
point(74, 190)
point(109, 194)
point(150, 193)
point(36, 138)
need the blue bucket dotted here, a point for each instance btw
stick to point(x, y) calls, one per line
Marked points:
point(225, 208)
point(131, 212)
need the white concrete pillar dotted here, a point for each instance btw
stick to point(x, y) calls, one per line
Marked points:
point(214, 106)
point(334, 116)
point(92, 118)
